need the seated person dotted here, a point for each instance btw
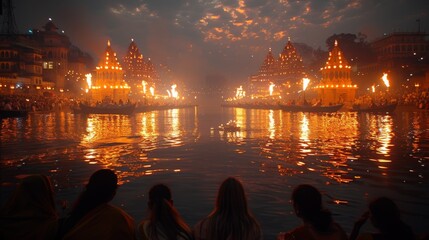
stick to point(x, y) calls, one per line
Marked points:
point(92, 217)
point(230, 219)
point(30, 212)
point(317, 222)
point(164, 221)
point(385, 216)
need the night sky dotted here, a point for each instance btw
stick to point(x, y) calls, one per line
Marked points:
point(196, 38)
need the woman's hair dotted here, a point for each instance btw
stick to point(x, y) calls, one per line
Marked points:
point(231, 219)
point(307, 202)
point(164, 217)
point(386, 217)
point(34, 194)
point(100, 189)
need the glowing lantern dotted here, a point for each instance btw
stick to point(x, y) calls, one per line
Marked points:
point(373, 88)
point(152, 91)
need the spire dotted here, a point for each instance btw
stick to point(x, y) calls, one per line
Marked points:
point(336, 58)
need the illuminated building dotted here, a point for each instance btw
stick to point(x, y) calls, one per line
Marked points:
point(404, 54)
point(109, 82)
point(336, 84)
point(134, 67)
point(151, 73)
point(20, 64)
point(290, 66)
point(259, 82)
point(286, 72)
point(55, 48)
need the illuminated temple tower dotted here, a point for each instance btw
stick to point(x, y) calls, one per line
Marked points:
point(286, 72)
point(259, 83)
point(109, 83)
point(290, 66)
point(336, 85)
point(134, 67)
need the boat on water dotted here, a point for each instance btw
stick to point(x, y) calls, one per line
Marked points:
point(106, 109)
point(310, 108)
point(13, 113)
point(230, 126)
point(383, 108)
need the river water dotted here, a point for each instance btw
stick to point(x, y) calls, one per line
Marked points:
point(350, 157)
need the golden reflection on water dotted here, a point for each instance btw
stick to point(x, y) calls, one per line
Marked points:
point(319, 143)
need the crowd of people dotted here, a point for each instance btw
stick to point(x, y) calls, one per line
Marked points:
point(34, 103)
point(30, 214)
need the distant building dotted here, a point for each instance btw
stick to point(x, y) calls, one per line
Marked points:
point(336, 85)
point(109, 84)
point(55, 50)
point(20, 65)
point(403, 55)
point(286, 72)
point(259, 82)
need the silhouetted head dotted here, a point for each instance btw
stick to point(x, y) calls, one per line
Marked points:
point(307, 202)
point(103, 184)
point(158, 194)
point(231, 197)
point(384, 213)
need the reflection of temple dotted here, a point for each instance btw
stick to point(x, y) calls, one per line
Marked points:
point(109, 83)
point(286, 72)
point(336, 84)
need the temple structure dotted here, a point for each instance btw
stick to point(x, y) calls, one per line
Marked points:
point(336, 84)
point(109, 84)
point(259, 83)
point(290, 66)
point(286, 72)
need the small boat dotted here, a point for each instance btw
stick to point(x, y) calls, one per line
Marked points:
point(106, 109)
point(389, 107)
point(310, 108)
point(13, 113)
point(230, 126)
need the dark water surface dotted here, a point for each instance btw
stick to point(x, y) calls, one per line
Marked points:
point(350, 157)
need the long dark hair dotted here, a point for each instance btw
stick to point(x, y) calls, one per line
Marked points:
point(100, 189)
point(163, 216)
point(307, 202)
point(231, 218)
point(386, 217)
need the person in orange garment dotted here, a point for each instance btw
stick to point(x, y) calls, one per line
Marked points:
point(317, 222)
point(93, 217)
point(230, 219)
point(30, 212)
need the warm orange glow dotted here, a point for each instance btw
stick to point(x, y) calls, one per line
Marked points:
point(305, 82)
point(385, 80)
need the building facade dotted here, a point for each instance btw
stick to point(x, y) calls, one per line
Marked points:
point(336, 84)
point(109, 85)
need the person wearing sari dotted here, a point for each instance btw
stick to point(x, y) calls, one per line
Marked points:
point(92, 217)
point(30, 212)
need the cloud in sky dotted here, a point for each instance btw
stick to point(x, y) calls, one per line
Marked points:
point(231, 37)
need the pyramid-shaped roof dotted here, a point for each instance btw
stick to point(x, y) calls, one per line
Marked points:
point(109, 59)
point(336, 58)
